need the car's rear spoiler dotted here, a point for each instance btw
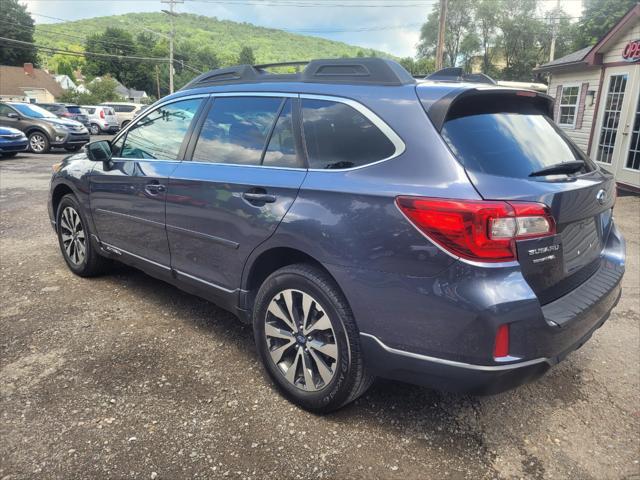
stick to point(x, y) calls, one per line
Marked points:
point(470, 101)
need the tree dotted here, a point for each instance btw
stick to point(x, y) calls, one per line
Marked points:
point(520, 41)
point(103, 90)
point(486, 13)
point(246, 56)
point(114, 41)
point(458, 24)
point(598, 18)
point(17, 24)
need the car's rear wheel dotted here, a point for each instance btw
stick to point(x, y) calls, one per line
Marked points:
point(74, 238)
point(38, 142)
point(308, 340)
point(94, 129)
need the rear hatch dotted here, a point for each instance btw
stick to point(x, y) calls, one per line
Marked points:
point(76, 113)
point(110, 116)
point(512, 151)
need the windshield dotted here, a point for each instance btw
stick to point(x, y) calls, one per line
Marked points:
point(32, 111)
point(510, 144)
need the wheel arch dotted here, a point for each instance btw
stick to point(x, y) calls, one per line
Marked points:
point(58, 192)
point(34, 129)
point(263, 263)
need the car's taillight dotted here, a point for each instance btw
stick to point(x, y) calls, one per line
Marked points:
point(480, 230)
point(101, 113)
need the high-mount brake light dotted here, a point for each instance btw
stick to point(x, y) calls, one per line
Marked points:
point(480, 230)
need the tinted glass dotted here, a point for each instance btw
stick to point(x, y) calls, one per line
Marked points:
point(338, 136)
point(159, 135)
point(124, 108)
point(74, 109)
point(5, 110)
point(281, 151)
point(236, 130)
point(509, 144)
point(90, 111)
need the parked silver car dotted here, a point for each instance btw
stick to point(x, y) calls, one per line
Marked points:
point(101, 119)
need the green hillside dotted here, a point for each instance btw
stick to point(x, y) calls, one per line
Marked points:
point(193, 32)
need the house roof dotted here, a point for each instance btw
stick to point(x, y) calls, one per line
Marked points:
point(14, 81)
point(590, 56)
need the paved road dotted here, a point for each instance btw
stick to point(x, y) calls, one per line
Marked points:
point(122, 376)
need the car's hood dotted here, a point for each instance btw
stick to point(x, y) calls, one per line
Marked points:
point(9, 131)
point(63, 121)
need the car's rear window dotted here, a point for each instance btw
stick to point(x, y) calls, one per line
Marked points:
point(509, 144)
point(74, 109)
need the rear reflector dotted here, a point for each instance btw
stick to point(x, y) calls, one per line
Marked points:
point(501, 348)
point(477, 229)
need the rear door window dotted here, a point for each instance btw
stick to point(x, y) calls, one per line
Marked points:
point(236, 130)
point(160, 134)
point(282, 151)
point(339, 136)
point(509, 144)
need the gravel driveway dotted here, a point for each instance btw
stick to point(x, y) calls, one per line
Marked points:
point(124, 376)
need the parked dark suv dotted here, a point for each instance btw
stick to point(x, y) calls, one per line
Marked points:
point(74, 112)
point(43, 128)
point(441, 233)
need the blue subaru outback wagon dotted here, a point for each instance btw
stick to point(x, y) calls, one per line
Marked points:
point(441, 232)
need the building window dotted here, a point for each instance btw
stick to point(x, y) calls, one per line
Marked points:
point(569, 106)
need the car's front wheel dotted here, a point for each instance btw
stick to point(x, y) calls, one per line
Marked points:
point(39, 142)
point(307, 339)
point(74, 238)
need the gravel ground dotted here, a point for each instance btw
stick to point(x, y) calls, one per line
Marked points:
point(124, 376)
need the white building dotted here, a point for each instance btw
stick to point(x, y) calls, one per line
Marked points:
point(597, 92)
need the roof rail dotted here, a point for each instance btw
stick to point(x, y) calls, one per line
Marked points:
point(369, 71)
point(457, 74)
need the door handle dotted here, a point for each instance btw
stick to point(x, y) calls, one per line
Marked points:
point(154, 188)
point(258, 196)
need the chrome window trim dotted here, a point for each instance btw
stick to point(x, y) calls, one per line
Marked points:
point(386, 130)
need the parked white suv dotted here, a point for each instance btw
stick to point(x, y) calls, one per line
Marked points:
point(101, 119)
point(124, 111)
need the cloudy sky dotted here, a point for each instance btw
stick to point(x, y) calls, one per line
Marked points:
point(389, 25)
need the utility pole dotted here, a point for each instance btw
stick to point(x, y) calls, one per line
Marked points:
point(172, 35)
point(441, 29)
point(158, 80)
point(554, 31)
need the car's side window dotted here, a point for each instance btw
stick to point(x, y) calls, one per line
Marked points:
point(5, 110)
point(236, 129)
point(281, 151)
point(339, 136)
point(160, 134)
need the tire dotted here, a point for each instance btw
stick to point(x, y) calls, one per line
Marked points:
point(94, 129)
point(39, 142)
point(75, 243)
point(75, 148)
point(8, 154)
point(327, 345)
point(124, 124)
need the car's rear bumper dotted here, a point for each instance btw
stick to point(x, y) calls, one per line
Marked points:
point(440, 331)
point(461, 377)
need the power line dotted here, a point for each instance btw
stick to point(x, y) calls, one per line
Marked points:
point(82, 54)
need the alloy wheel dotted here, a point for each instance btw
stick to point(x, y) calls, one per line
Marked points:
point(95, 130)
point(301, 340)
point(73, 235)
point(37, 142)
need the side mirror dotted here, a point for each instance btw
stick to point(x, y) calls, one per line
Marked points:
point(99, 151)
point(13, 115)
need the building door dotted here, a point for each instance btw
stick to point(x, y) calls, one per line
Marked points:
point(616, 145)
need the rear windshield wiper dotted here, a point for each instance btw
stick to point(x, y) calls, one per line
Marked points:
point(559, 168)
